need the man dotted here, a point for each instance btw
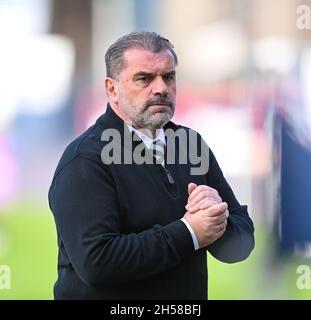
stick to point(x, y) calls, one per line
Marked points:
point(131, 228)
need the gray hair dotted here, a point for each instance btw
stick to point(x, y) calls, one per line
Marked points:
point(150, 41)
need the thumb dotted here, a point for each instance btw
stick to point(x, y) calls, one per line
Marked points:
point(191, 187)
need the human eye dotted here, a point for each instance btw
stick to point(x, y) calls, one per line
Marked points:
point(169, 77)
point(144, 79)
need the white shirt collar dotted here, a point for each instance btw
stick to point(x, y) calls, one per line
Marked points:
point(147, 140)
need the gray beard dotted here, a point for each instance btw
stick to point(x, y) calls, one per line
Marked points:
point(147, 121)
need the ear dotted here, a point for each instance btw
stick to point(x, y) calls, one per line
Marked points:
point(111, 89)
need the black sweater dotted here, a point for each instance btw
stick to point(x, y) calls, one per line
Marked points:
point(119, 230)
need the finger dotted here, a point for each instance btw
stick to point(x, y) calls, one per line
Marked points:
point(200, 196)
point(201, 205)
point(220, 231)
point(191, 187)
point(218, 219)
point(221, 228)
point(227, 213)
point(199, 189)
point(224, 224)
point(217, 209)
point(208, 203)
point(204, 195)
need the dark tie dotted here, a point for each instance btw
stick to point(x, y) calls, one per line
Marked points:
point(157, 149)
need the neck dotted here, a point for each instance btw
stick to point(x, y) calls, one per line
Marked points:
point(151, 133)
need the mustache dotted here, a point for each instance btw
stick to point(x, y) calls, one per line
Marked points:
point(160, 100)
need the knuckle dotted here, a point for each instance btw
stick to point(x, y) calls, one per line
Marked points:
point(206, 203)
point(213, 191)
point(201, 196)
point(207, 194)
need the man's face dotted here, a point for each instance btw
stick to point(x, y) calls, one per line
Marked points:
point(146, 88)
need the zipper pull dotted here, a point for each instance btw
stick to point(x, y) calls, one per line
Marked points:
point(169, 176)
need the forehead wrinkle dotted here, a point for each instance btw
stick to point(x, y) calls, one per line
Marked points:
point(156, 63)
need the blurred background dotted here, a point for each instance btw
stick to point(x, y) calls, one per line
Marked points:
point(244, 82)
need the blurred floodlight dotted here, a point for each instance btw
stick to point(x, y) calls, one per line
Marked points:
point(36, 74)
point(20, 17)
point(274, 54)
point(46, 73)
point(29, 63)
point(216, 51)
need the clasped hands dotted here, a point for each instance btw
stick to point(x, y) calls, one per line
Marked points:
point(206, 213)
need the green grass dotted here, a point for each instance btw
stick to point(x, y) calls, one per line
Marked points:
point(28, 246)
point(262, 276)
point(237, 281)
point(31, 252)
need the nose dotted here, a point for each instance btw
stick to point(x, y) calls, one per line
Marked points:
point(159, 86)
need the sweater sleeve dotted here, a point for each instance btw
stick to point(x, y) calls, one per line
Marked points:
point(85, 206)
point(237, 242)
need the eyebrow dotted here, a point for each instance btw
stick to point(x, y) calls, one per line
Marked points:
point(150, 74)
